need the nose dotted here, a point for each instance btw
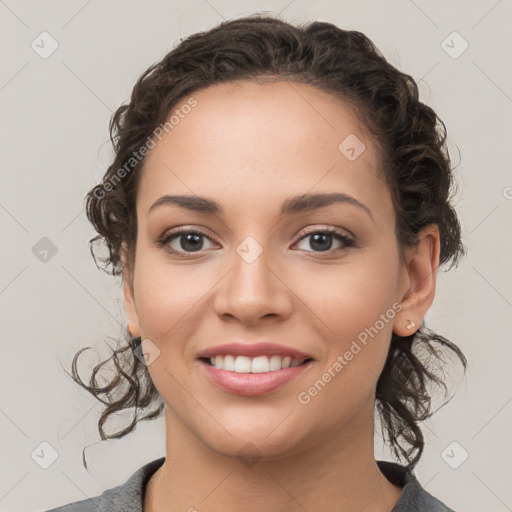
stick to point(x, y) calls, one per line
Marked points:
point(253, 290)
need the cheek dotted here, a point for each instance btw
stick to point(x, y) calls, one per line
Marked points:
point(359, 317)
point(356, 305)
point(167, 295)
point(351, 297)
point(170, 303)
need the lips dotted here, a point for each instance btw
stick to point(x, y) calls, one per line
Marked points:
point(253, 369)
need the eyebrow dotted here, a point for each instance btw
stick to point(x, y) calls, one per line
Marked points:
point(293, 205)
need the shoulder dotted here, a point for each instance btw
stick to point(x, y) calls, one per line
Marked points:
point(127, 497)
point(413, 497)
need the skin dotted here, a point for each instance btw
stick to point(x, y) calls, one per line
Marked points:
point(250, 147)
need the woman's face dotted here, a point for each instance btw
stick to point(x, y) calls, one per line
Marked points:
point(266, 264)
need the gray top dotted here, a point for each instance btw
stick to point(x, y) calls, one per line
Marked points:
point(129, 497)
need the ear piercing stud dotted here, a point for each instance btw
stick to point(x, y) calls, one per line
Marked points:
point(410, 325)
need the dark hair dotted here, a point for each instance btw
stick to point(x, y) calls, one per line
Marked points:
point(416, 166)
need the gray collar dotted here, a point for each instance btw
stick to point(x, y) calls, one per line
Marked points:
point(129, 497)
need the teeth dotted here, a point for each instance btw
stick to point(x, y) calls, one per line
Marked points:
point(242, 364)
point(228, 363)
point(260, 364)
point(275, 363)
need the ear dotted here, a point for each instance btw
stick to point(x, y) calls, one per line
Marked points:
point(129, 297)
point(420, 272)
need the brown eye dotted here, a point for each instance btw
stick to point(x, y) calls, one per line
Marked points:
point(323, 240)
point(185, 241)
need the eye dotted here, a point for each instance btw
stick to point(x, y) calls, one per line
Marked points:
point(183, 241)
point(321, 240)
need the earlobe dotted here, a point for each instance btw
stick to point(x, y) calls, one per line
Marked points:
point(131, 311)
point(422, 262)
point(129, 302)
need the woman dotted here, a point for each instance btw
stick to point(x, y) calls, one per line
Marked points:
point(278, 207)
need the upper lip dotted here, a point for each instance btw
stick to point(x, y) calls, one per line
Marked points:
point(254, 350)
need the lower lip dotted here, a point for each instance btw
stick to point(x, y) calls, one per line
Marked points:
point(252, 384)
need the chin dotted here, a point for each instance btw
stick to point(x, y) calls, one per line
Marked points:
point(255, 440)
point(249, 449)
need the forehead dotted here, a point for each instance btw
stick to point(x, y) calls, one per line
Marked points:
point(250, 142)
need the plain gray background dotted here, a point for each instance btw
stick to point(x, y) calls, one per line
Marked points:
point(54, 147)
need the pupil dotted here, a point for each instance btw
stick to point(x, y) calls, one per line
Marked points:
point(318, 238)
point(191, 242)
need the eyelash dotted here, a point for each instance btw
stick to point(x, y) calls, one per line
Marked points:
point(169, 236)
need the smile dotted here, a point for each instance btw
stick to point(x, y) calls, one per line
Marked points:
point(245, 381)
point(260, 364)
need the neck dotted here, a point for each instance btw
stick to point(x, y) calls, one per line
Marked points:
point(339, 473)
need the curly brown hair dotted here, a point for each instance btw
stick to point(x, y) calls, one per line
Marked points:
point(416, 166)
